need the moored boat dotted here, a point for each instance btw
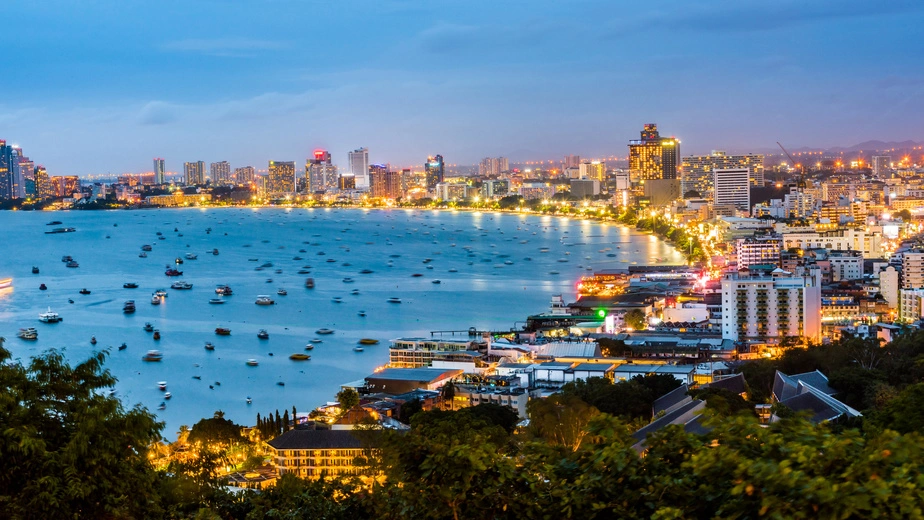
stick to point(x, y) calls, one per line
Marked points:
point(368, 341)
point(50, 316)
point(299, 357)
point(216, 301)
point(263, 334)
point(324, 331)
point(173, 272)
point(28, 334)
point(129, 285)
point(151, 355)
point(129, 307)
point(156, 334)
point(394, 300)
point(84, 291)
point(93, 340)
point(148, 327)
point(209, 346)
point(222, 331)
point(309, 283)
point(358, 349)
point(282, 292)
point(35, 270)
point(181, 286)
point(264, 300)
point(224, 290)
point(252, 362)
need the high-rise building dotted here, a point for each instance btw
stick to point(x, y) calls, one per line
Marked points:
point(491, 189)
point(732, 187)
point(6, 171)
point(194, 173)
point(347, 182)
point(774, 306)
point(159, 171)
point(594, 170)
point(321, 174)
point(377, 184)
point(281, 178)
point(220, 172)
point(359, 167)
point(244, 175)
point(571, 161)
point(493, 166)
point(881, 164)
point(758, 251)
point(27, 171)
point(43, 188)
point(435, 171)
point(17, 189)
point(912, 269)
point(653, 156)
point(65, 186)
point(697, 170)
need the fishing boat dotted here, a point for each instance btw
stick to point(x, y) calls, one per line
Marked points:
point(222, 331)
point(282, 292)
point(84, 291)
point(129, 285)
point(263, 334)
point(129, 307)
point(324, 331)
point(309, 283)
point(156, 334)
point(35, 270)
point(252, 362)
point(151, 355)
point(148, 327)
point(368, 341)
point(224, 290)
point(50, 316)
point(216, 301)
point(181, 286)
point(264, 300)
point(209, 346)
point(28, 334)
point(299, 357)
point(173, 272)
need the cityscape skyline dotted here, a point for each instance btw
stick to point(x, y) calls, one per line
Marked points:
point(453, 71)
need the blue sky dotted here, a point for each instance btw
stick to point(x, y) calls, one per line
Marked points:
point(105, 85)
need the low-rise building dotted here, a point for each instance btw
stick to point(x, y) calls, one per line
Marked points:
point(310, 453)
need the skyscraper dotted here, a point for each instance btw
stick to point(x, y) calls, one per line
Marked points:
point(359, 166)
point(27, 171)
point(159, 171)
point(697, 170)
point(732, 187)
point(378, 186)
point(43, 188)
point(321, 174)
point(6, 170)
point(653, 156)
point(244, 175)
point(493, 166)
point(434, 171)
point(220, 172)
point(194, 173)
point(281, 178)
point(16, 181)
point(595, 170)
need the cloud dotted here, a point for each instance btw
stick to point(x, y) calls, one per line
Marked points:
point(227, 47)
point(158, 113)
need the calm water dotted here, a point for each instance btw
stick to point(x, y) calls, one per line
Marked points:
point(485, 292)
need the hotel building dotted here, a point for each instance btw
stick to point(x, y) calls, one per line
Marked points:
point(771, 307)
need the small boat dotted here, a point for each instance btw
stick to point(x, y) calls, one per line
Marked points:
point(368, 341)
point(282, 292)
point(35, 270)
point(155, 300)
point(191, 256)
point(264, 300)
point(252, 362)
point(72, 264)
point(209, 346)
point(43, 287)
point(173, 272)
point(181, 286)
point(162, 385)
point(358, 349)
point(216, 301)
point(280, 383)
point(162, 406)
point(309, 347)
point(156, 334)
point(70, 300)
point(324, 331)
point(84, 291)
point(215, 251)
point(167, 395)
point(299, 357)
point(309, 283)
point(317, 341)
point(67, 258)
point(178, 261)
point(93, 340)
point(337, 299)
point(129, 307)
point(151, 355)
point(130, 285)
point(148, 327)
point(416, 275)
point(123, 346)
point(197, 378)
point(436, 282)
point(28, 334)
point(224, 290)
point(362, 314)
point(54, 223)
point(366, 271)
point(222, 331)
point(146, 247)
point(348, 280)
point(263, 334)
point(161, 292)
point(50, 316)
point(394, 300)
point(249, 400)
point(453, 270)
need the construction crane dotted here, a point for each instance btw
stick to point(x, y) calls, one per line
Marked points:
point(801, 184)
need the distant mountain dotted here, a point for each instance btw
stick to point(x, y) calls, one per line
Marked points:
point(865, 146)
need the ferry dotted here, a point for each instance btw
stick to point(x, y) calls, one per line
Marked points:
point(28, 334)
point(152, 355)
point(50, 317)
point(181, 286)
point(264, 300)
point(6, 282)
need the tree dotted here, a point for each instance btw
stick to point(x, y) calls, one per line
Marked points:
point(905, 215)
point(560, 420)
point(904, 413)
point(635, 319)
point(68, 449)
point(348, 398)
point(408, 409)
point(613, 347)
point(216, 430)
point(495, 415)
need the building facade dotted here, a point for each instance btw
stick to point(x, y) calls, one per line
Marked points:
point(194, 173)
point(359, 166)
point(435, 171)
point(697, 170)
point(771, 307)
point(159, 171)
point(281, 178)
point(244, 175)
point(653, 156)
point(220, 172)
point(732, 188)
point(758, 251)
point(321, 174)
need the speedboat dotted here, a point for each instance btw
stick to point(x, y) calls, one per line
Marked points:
point(394, 300)
point(129, 285)
point(249, 400)
point(152, 355)
point(324, 331)
point(264, 300)
point(309, 347)
point(263, 334)
point(50, 316)
point(252, 362)
point(216, 301)
point(155, 300)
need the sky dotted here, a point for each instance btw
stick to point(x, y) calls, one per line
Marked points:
point(101, 86)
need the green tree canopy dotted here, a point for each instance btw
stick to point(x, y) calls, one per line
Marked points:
point(216, 430)
point(635, 319)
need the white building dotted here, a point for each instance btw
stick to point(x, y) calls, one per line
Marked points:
point(848, 239)
point(888, 286)
point(359, 166)
point(799, 204)
point(771, 307)
point(845, 265)
point(912, 270)
point(911, 308)
point(536, 190)
point(758, 250)
point(732, 187)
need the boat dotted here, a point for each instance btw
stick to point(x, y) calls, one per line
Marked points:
point(362, 314)
point(162, 385)
point(309, 347)
point(35, 270)
point(72, 264)
point(249, 400)
point(123, 346)
point(354, 292)
point(216, 301)
point(368, 341)
point(151, 355)
point(156, 334)
point(453, 270)
point(299, 357)
point(50, 316)
point(130, 285)
point(263, 334)
point(167, 395)
point(324, 331)
point(162, 406)
point(394, 300)
point(43, 287)
point(282, 292)
point(337, 299)
point(146, 247)
point(93, 340)
point(348, 280)
point(252, 362)
point(55, 231)
point(224, 290)
point(436, 282)
point(264, 300)
point(416, 275)
point(66, 258)
point(280, 383)
point(173, 272)
point(129, 307)
point(214, 251)
point(209, 346)
point(191, 256)
point(28, 334)
point(181, 286)
point(309, 283)
point(358, 349)
point(84, 291)
point(317, 341)
point(54, 223)
point(161, 292)
point(148, 327)
point(142, 255)
point(222, 331)
point(70, 300)
point(366, 271)
point(178, 261)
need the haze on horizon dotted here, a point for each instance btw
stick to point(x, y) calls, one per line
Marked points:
point(105, 85)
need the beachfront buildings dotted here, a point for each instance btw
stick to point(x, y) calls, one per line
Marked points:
point(281, 179)
point(359, 166)
point(435, 171)
point(767, 307)
point(698, 170)
point(194, 173)
point(159, 171)
point(321, 173)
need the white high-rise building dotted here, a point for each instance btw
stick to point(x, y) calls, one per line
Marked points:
point(888, 286)
point(732, 187)
point(758, 250)
point(359, 167)
point(159, 171)
point(912, 270)
point(220, 172)
point(771, 307)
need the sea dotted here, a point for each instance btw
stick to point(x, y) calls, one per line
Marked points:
point(494, 269)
